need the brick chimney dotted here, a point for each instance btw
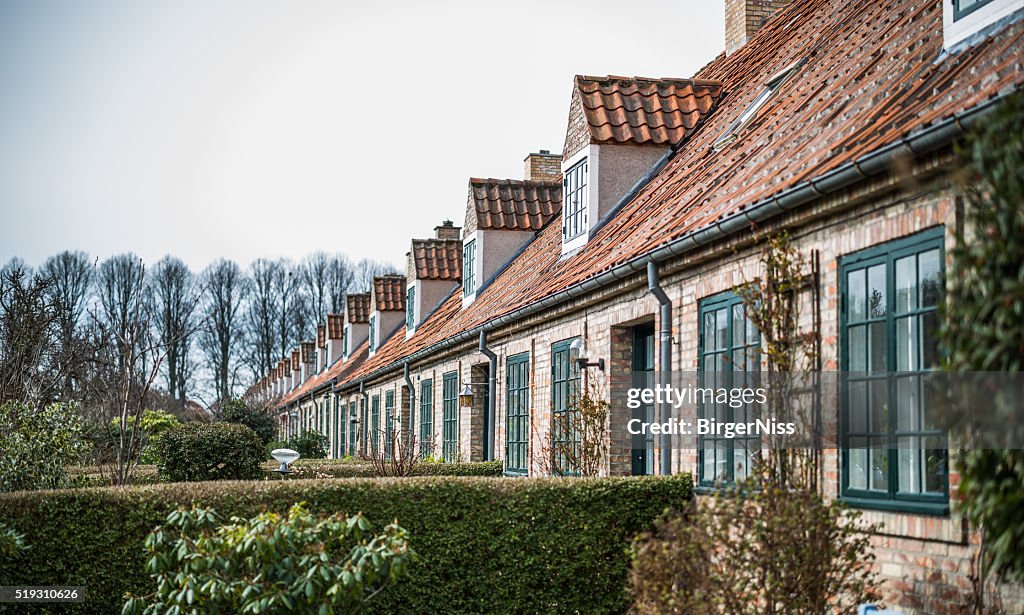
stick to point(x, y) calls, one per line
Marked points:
point(448, 230)
point(743, 18)
point(543, 166)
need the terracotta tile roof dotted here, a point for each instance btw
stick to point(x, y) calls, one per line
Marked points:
point(321, 336)
point(389, 292)
point(308, 352)
point(357, 307)
point(874, 72)
point(335, 326)
point(640, 110)
point(518, 205)
point(437, 259)
point(341, 370)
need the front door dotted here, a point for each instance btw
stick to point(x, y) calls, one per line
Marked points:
point(643, 377)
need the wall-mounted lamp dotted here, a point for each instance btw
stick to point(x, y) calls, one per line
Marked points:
point(582, 362)
point(466, 396)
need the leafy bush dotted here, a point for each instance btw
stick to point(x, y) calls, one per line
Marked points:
point(259, 419)
point(310, 444)
point(293, 562)
point(338, 468)
point(152, 423)
point(11, 543)
point(37, 442)
point(984, 328)
point(486, 545)
point(770, 550)
point(209, 451)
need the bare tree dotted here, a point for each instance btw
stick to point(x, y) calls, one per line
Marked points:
point(314, 273)
point(339, 279)
point(30, 368)
point(262, 314)
point(221, 334)
point(289, 324)
point(70, 277)
point(120, 287)
point(366, 270)
point(175, 295)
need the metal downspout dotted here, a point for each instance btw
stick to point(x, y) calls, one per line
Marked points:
point(491, 378)
point(665, 367)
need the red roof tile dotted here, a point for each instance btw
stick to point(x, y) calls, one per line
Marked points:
point(640, 110)
point(389, 293)
point(518, 205)
point(437, 259)
point(357, 307)
point(335, 326)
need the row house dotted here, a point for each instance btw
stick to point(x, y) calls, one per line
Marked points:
point(617, 261)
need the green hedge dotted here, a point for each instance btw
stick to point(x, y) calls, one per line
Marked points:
point(336, 468)
point(486, 544)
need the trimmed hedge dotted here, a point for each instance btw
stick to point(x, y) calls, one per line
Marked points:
point(209, 451)
point(535, 545)
point(336, 468)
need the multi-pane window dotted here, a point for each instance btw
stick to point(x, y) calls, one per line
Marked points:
point(373, 326)
point(729, 358)
point(964, 7)
point(341, 428)
point(450, 407)
point(565, 388)
point(410, 307)
point(517, 414)
point(344, 342)
point(893, 453)
point(469, 268)
point(575, 200)
point(374, 424)
point(352, 418)
point(426, 418)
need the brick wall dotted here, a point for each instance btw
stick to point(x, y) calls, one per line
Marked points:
point(745, 17)
point(577, 135)
point(542, 166)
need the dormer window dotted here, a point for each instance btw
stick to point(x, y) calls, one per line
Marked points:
point(770, 89)
point(575, 202)
point(967, 21)
point(344, 342)
point(468, 268)
point(410, 308)
point(373, 337)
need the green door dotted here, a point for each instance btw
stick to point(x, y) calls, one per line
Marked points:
point(642, 457)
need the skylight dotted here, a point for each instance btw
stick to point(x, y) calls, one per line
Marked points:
point(770, 88)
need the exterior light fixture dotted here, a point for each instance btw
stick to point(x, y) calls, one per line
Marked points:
point(286, 457)
point(466, 397)
point(582, 362)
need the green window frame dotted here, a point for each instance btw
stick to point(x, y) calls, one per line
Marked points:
point(891, 458)
point(341, 430)
point(450, 407)
point(344, 342)
point(469, 268)
point(410, 307)
point(728, 356)
point(962, 8)
point(426, 418)
point(352, 432)
point(373, 325)
point(374, 424)
point(517, 414)
point(565, 390)
point(389, 422)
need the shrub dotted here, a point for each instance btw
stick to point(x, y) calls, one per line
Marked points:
point(153, 423)
point(338, 468)
point(310, 444)
point(486, 545)
point(11, 543)
point(258, 419)
point(769, 550)
point(984, 328)
point(37, 442)
point(293, 562)
point(209, 451)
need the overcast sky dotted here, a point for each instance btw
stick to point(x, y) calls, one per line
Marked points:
point(218, 128)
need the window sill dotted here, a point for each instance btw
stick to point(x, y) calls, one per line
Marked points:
point(898, 506)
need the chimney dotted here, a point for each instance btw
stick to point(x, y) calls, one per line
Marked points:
point(448, 230)
point(543, 166)
point(743, 18)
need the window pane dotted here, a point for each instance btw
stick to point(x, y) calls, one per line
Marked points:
point(738, 325)
point(906, 284)
point(858, 348)
point(879, 477)
point(879, 410)
point(930, 281)
point(858, 461)
point(906, 343)
point(877, 303)
point(909, 456)
point(879, 351)
point(929, 341)
point(856, 309)
point(858, 409)
point(721, 328)
point(936, 460)
point(908, 410)
point(709, 331)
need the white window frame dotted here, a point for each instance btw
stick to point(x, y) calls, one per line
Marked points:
point(957, 32)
